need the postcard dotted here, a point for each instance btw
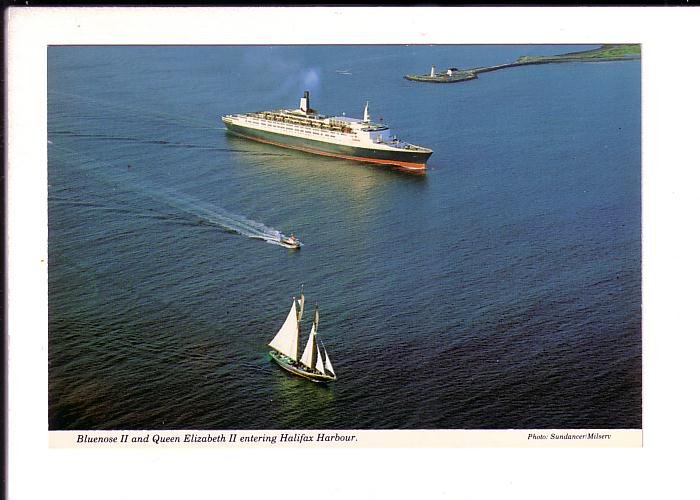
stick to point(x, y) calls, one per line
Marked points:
point(247, 230)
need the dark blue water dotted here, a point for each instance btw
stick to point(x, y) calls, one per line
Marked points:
point(500, 290)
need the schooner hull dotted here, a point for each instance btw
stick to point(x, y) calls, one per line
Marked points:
point(313, 376)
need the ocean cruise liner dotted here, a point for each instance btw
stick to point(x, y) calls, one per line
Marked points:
point(350, 138)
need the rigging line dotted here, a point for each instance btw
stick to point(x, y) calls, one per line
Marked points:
point(140, 111)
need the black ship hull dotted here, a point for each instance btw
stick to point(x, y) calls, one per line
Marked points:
point(299, 370)
point(405, 158)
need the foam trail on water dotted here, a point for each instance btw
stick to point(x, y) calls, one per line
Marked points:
point(219, 217)
point(202, 210)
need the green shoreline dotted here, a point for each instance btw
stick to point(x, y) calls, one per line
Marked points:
point(617, 52)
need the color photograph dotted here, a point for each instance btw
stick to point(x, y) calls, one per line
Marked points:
point(415, 252)
point(342, 236)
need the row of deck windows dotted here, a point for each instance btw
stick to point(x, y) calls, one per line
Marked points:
point(292, 127)
point(287, 123)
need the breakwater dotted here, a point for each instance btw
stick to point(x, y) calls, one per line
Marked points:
point(452, 75)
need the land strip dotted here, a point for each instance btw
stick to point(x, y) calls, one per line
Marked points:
point(618, 52)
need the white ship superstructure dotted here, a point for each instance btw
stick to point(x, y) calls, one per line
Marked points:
point(340, 136)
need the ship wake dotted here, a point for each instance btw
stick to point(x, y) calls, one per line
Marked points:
point(221, 218)
point(204, 212)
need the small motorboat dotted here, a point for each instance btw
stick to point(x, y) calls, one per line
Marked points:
point(290, 241)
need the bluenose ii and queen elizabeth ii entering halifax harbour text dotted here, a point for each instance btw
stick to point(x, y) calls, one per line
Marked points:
point(218, 438)
point(193, 190)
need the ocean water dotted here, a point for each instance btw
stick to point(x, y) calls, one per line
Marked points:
point(500, 290)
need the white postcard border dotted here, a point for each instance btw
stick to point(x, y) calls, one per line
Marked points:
point(669, 41)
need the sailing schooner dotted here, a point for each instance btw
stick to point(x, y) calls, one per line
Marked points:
point(311, 365)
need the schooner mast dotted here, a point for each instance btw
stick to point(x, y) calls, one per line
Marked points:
point(312, 364)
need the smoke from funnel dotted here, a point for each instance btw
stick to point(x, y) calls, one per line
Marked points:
point(312, 79)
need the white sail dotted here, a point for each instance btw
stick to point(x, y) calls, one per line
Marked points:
point(307, 357)
point(301, 305)
point(319, 361)
point(329, 366)
point(287, 337)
